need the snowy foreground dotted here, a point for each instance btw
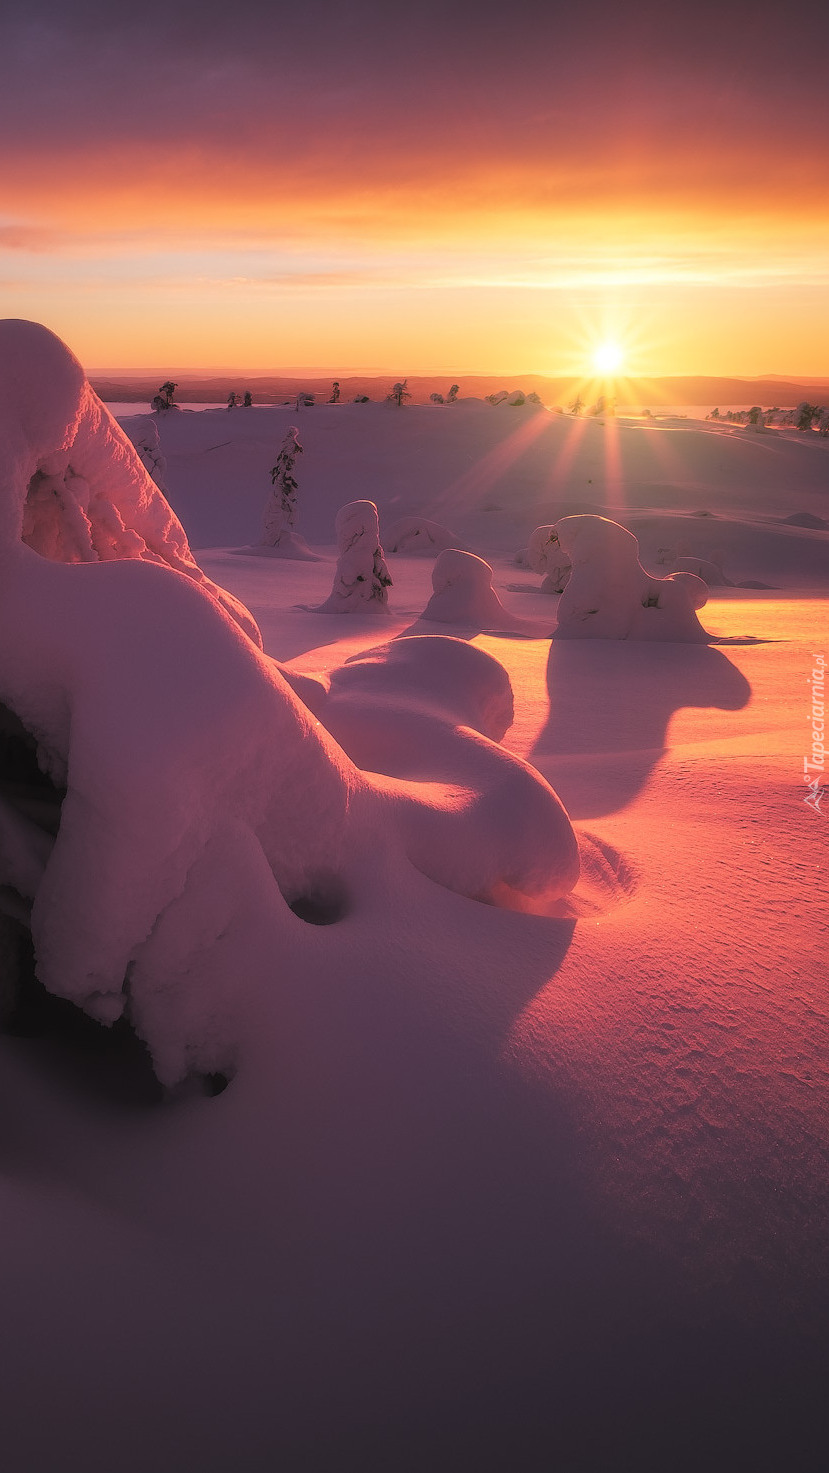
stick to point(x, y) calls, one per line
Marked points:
point(522, 1163)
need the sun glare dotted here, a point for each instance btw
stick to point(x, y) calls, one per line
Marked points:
point(608, 358)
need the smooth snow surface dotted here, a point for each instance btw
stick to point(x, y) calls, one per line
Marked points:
point(487, 1189)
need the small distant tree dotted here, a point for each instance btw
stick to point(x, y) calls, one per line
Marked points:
point(436, 399)
point(166, 392)
point(335, 392)
point(823, 422)
point(399, 393)
point(805, 414)
point(755, 415)
point(280, 513)
point(232, 400)
point(361, 399)
point(453, 394)
point(248, 399)
point(577, 405)
point(598, 407)
point(715, 414)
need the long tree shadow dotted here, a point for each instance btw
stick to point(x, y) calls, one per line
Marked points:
point(613, 699)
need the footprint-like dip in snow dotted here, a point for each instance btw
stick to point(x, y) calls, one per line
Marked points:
point(607, 878)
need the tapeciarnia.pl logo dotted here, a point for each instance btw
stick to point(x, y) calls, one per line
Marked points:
point(816, 762)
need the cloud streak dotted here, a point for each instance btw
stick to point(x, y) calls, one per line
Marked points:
point(359, 149)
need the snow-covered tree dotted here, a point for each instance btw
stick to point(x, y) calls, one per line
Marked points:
point(609, 595)
point(147, 443)
point(362, 577)
point(544, 556)
point(399, 392)
point(755, 415)
point(232, 400)
point(335, 392)
point(436, 399)
point(280, 512)
point(248, 399)
point(167, 391)
point(453, 394)
point(805, 414)
point(577, 405)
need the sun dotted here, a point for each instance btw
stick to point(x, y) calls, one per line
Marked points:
point(608, 358)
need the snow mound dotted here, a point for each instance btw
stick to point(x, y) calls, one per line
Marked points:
point(410, 708)
point(362, 580)
point(416, 536)
point(432, 674)
point(610, 596)
point(72, 485)
point(806, 519)
point(463, 592)
point(193, 781)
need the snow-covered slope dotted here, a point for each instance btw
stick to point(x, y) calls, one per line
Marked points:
point(493, 474)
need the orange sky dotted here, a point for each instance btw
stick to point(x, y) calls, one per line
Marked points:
point(422, 192)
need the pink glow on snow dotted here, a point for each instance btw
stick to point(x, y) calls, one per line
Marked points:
point(469, 489)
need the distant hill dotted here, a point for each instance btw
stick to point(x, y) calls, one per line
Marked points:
point(276, 388)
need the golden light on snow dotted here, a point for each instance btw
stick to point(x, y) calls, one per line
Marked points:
point(608, 358)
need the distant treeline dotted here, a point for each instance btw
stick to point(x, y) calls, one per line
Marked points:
point(278, 388)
